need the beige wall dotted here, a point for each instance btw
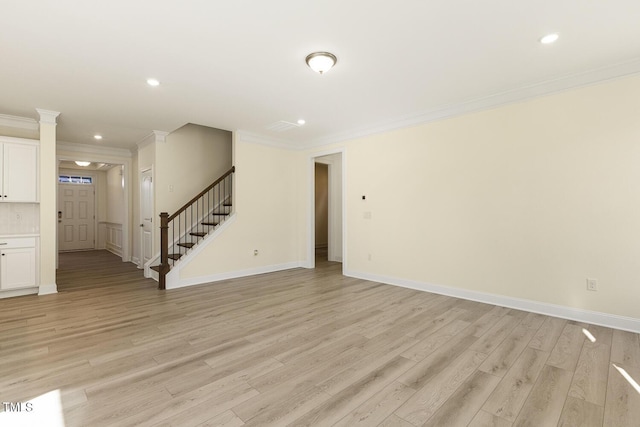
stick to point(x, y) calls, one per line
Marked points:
point(191, 158)
point(101, 195)
point(524, 201)
point(115, 195)
point(146, 156)
point(268, 215)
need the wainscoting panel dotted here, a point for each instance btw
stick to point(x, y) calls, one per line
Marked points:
point(113, 238)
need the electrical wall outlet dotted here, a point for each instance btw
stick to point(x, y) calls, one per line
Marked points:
point(255, 252)
point(592, 284)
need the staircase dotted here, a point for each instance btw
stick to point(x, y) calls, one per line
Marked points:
point(181, 231)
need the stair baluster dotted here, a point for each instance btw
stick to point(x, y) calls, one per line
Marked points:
point(194, 220)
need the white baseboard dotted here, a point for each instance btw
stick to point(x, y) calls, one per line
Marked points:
point(592, 317)
point(48, 289)
point(193, 281)
point(116, 250)
point(135, 260)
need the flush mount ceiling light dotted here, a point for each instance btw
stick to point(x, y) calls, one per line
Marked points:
point(153, 82)
point(82, 163)
point(321, 62)
point(549, 38)
point(301, 122)
point(98, 137)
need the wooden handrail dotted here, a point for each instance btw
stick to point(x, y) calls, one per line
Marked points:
point(190, 202)
point(190, 227)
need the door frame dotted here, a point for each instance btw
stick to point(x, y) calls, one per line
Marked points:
point(141, 216)
point(94, 155)
point(311, 217)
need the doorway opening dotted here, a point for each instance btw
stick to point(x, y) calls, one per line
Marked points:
point(326, 242)
point(322, 211)
point(93, 205)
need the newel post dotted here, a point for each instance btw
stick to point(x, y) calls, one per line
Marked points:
point(164, 250)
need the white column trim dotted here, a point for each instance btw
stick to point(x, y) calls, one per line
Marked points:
point(48, 289)
point(47, 116)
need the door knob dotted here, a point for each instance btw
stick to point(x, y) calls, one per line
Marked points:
point(141, 225)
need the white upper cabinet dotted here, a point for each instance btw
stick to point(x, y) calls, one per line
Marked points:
point(19, 177)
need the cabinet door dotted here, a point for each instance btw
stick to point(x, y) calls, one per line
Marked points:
point(17, 268)
point(20, 173)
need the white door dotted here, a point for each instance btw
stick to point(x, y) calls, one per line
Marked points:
point(146, 216)
point(76, 218)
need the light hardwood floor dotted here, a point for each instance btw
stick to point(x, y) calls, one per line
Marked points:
point(301, 347)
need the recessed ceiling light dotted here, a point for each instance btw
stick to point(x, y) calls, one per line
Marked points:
point(153, 82)
point(301, 122)
point(98, 137)
point(321, 62)
point(79, 163)
point(549, 38)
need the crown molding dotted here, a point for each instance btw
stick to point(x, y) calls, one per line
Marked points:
point(47, 116)
point(524, 93)
point(18, 122)
point(92, 149)
point(143, 142)
point(155, 136)
point(161, 136)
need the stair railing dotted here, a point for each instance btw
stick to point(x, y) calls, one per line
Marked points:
point(193, 221)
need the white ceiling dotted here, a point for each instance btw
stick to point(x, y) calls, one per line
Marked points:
point(93, 166)
point(239, 65)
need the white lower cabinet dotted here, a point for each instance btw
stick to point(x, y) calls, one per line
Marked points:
point(17, 263)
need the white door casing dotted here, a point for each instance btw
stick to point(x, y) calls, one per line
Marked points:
point(146, 216)
point(76, 217)
point(336, 159)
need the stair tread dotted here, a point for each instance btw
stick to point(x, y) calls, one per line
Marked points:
point(210, 223)
point(155, 268)
point(187, 244)
point(220, 213)
point(174, 256)
point(227, 204)
point(198, 234)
